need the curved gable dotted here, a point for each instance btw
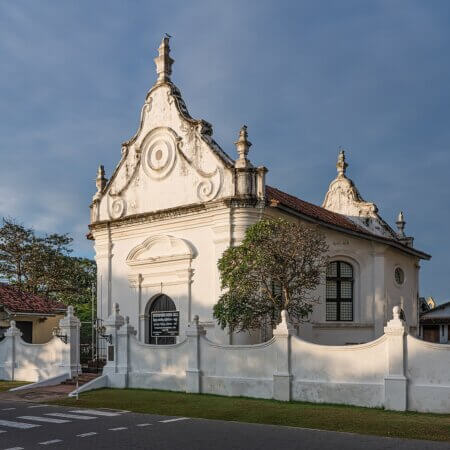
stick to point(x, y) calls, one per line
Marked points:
point(171, 161)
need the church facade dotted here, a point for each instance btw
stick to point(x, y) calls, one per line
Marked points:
point(176, 201)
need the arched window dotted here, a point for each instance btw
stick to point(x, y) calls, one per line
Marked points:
point(339, 304)
point(160, 303)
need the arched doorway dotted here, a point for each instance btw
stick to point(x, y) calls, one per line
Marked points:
point(160, 303)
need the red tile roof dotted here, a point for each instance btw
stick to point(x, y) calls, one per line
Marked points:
point(16, 301)
point(324, 216)
point(313, 211)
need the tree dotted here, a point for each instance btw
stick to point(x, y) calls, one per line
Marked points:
point(276, 267)
point(43, 264)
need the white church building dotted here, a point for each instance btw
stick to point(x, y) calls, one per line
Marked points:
point(176, 201)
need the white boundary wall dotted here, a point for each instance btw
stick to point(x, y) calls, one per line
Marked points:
point(37, 362)
point(396, 371)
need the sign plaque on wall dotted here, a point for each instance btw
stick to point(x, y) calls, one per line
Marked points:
point(110, 352)
point(165, 323)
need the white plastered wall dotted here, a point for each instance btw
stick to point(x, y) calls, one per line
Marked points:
point(375, 289)
point(191, 282)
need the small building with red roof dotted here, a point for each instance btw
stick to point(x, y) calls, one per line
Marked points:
point(35, 315)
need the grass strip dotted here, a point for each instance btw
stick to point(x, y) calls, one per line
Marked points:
point(332, 417)
point(6, 385)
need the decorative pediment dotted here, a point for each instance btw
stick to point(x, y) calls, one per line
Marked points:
point(160, 249)
point(171, 161)
point(344, 198)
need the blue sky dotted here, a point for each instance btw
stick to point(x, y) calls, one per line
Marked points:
point(305, 76)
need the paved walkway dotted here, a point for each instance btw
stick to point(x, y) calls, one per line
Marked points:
point(41, 394)
point(46, 393)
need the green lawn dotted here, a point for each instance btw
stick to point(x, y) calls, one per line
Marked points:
point(6, 385)
point(297, 414)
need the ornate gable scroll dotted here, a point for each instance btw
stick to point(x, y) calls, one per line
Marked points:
point(344, 198)
point(171, 161)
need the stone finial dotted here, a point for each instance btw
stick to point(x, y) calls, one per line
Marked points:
point(341, 165)
point(126, 328)
point(400, 225)
point(285, 327)
point(396, 326)
point(194, 328)
point(115, 320)
point(396, 312)
point(101, 180)
point(163, 61)
point(13, 330)
point(70, 312)
point(242, 146)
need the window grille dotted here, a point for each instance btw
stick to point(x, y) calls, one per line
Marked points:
point(339, 292)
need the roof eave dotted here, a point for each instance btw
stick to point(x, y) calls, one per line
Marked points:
point(375, 238)
point(37, 314)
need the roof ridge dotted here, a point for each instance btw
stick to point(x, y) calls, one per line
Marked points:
point(321, 208)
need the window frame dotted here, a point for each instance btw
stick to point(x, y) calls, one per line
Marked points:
point(338, 300)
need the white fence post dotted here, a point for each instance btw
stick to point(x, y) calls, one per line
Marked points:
point(395, 382)
point(193, 373)
point(282, 376)
point(112, 325)
point(123, 349)
point(12, 335)
point(70, 327)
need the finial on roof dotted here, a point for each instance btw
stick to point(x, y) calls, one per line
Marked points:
point(400, 225)
point(341, 165)
point(163, 61)
point(101, 180)
point(242, 146)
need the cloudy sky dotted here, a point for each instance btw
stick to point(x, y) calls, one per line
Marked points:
point(305, 76)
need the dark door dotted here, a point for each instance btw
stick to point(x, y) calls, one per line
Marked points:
point(27, 330)
point(161, 303)
point(431, 333)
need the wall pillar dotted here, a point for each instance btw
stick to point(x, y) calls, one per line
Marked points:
point(379, 294)
point(395, 381)
point(12, 335)
point(70, 327)
point(103, 259)
point(124, 334)
point(112, 326)
point(282, 378)
point(221, 241)
point(193, 372)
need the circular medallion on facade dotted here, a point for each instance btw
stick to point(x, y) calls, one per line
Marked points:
point(117, 208)
point(159, 154)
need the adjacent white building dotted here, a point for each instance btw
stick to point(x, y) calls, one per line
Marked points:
point(176, 201)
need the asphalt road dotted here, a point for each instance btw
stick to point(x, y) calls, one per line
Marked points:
point(34, 426)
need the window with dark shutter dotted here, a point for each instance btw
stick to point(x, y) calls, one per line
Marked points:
point(339, 291)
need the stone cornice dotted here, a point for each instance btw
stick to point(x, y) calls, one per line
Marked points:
point(180, 211)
